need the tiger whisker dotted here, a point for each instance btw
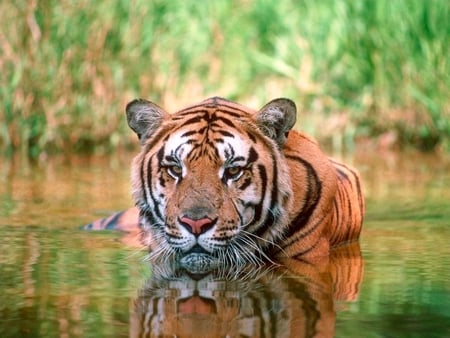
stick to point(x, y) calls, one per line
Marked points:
point(265, 240)
point(252, 244)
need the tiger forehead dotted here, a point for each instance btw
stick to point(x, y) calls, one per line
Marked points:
point(211, 134)
point(212, 121)
point(216, 130)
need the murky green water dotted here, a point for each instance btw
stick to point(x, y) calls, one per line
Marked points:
point(58, 281)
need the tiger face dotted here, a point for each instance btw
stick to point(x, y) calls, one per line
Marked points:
point(211, 181)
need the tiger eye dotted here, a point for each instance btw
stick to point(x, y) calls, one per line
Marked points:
point(232, 172)
point(175, 171)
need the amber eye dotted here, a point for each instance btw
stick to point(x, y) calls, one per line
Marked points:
point(175, 171)
point(233, 173)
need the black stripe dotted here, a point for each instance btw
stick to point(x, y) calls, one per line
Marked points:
point(245, 184)
point(162, 182)
point(251, 136)
point(336, 215)
point(112, 223)
point(225, 133)
point(358, 185)
point(176, 151)
point(312, 247)
point(252, 156)
point(290, 241)
point(360, 197)
point(351, 226)
point(228, 122)
point(189, 110)
point(160, 156)
point(272, 213)
point(229, 152)
point(259, 206)
point(337, 230)
point(274, 194)
point(149, 181)
point(156, 138)
point(232, 111)
point(313, 195)
point(237, 158)
point(195, 119)
point(306, 233)
point(148, 216)
point(350, 212)
point(189, 133)
point(146, 197)
point(341, 173)
point(203, 130)
point(194, 154)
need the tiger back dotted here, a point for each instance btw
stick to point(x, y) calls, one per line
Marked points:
point(219, 182)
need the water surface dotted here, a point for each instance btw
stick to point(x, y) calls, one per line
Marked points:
point(57, 280)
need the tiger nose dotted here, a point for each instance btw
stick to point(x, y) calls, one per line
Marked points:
point(197, 226)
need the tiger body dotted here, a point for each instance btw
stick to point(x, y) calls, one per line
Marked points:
point(220, 182)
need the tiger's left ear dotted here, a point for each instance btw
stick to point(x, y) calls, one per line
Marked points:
point(144, 117)
point(276, 118)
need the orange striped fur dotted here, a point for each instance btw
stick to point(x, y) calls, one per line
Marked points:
point(220, 180)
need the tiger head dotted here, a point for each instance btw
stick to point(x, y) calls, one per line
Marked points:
point(211, 181)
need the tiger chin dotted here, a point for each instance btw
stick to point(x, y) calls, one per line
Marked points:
point(218, 183)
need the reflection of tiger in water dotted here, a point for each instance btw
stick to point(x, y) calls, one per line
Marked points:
point(218, 182)
point(296, 300)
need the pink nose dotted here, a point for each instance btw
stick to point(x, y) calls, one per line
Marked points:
point(197, 226)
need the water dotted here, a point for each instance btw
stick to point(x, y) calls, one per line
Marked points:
point(57, 280)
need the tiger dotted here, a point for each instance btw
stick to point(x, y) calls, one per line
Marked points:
point(218, 182)
point(295, 299)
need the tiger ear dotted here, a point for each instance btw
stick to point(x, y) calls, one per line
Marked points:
point(144, 117)
point(276, 118)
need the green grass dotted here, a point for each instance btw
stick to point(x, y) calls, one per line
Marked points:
point(357, 69)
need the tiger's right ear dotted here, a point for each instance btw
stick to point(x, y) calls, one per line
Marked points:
point(144, 117)
point(276, 118)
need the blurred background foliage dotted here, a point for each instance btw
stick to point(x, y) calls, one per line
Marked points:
point(361, 72)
